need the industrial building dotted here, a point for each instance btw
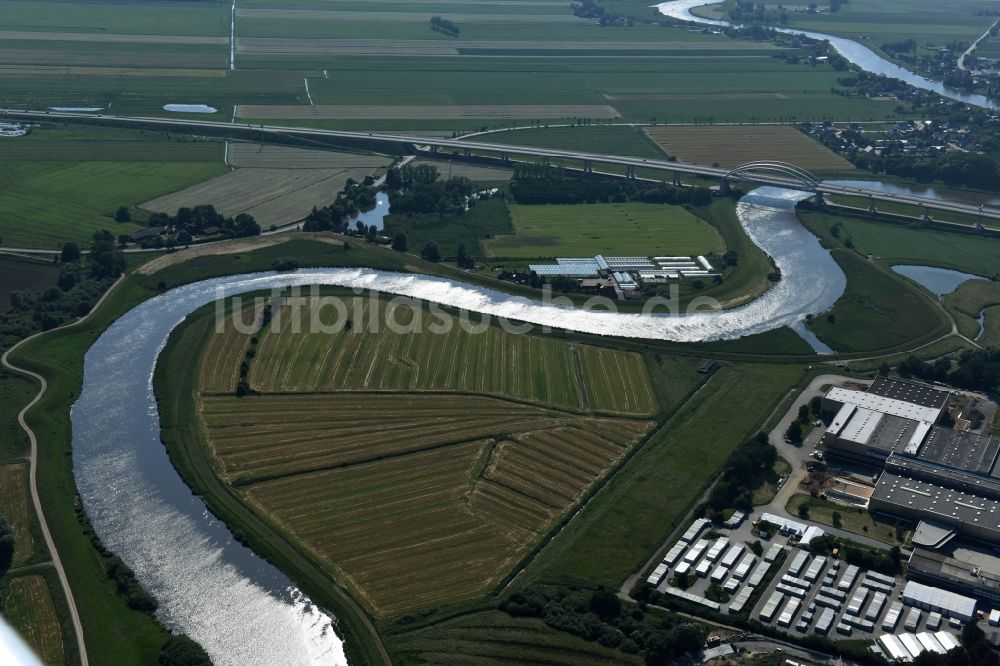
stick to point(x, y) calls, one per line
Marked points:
point(958, 571)
point(627, 270)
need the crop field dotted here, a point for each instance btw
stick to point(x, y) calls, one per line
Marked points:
point(226, 350)
point(631, 229)
point(494, 638)
point(462, 515)
point(929, 23)
point(378, 352)
point(731, 146)
point(417, 112)
point(471, 171)
point(30, 610)
point(14, 507)
point(48, 203)
point(606, 139)
point(272, 195)
point(19, 273)
point(262, 156)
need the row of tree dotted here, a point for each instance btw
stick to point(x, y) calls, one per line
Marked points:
point(600, 616)
point(975, 369)
point(538, 184)
point(419, 190)
point(204, 220)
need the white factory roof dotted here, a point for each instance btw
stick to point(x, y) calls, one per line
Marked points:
point(861, 426)
point(919, 435)
point(947, 640)
point(894, 648)
point(954, 605)
point(785, 523)
point(878, 403)
point(843, 415)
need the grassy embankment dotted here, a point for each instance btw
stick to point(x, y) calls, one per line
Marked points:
point(880, 311)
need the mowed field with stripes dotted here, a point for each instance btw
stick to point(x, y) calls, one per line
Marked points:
point(421, 467)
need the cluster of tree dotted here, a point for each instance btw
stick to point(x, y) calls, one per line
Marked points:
point(7, 544)
point(80, 285)
point(748, 11)
point(594, 10)
point(907, 46)
point(749, 466)
point(348, 204)
point(420, 191)
point(807, 414)
point(444, 26)
point(537, 184)
point(887, 562)
point(179, 650)
point(954, 167)
point(201, 220)
point(599, 616)
point(975, 369)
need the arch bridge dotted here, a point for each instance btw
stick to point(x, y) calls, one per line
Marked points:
point(773, 173)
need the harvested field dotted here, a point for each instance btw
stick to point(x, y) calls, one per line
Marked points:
point(411, 353)
point(228, 247)
point(30, 610)
point(227, 349)
point(416, 112)
point(18, 273)
point(272, 196)
point(257, 437)
point(255, 155)
point(435, 512)
point(731, 146)
point(14, 507)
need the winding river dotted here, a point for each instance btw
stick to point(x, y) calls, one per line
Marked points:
point(862, 56)
point(239, 607)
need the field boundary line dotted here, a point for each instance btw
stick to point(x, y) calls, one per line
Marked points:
point(33, 468)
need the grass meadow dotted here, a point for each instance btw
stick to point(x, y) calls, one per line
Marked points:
point(628, 229)
point(14, 506)
point(967, 302)
point(30, 610)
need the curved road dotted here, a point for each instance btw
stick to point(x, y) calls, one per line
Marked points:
point(33, 472)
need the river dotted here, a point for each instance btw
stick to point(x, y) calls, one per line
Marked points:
point(862, 56)
point(239, 607)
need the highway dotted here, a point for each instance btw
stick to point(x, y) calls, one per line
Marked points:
point(425, 144)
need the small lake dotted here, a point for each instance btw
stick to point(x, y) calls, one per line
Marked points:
point(189, 108)
point(938, 281)
point(375, 216)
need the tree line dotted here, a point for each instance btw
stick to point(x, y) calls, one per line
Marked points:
point(538, 184)
point(974, 369)
point(199, 221)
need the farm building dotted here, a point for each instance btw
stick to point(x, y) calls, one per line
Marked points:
point(646, 269)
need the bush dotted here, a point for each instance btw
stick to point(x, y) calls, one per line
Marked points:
point(179, 650)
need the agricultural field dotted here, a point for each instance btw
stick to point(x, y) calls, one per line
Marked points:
point(272, 196)
point(606, 139)
point(629, 229)
point(62, 184)
point(18, 273)
point(474, 172)
point(30, 610)
point(383, 451)
point(244, 155)
point(388, 347)
point(14, 507)
point(734, 145)
point(15, 392)
point(929, 24)
point(494, 638)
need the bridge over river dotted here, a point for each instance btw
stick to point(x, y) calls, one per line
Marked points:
point(776, 174)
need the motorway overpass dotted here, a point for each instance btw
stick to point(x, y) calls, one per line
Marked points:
point(762, 173)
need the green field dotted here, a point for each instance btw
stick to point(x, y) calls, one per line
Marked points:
point(60, 185)
point(485, 219)
point(878, 311)
point(632, 229)
point(966, 303)
point(617, 531)
point(606, 139)
point(903, 244)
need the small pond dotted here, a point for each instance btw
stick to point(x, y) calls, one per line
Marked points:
point(938, 281)
point(375, 216)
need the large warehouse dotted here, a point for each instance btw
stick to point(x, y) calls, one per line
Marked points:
point(930, 472)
